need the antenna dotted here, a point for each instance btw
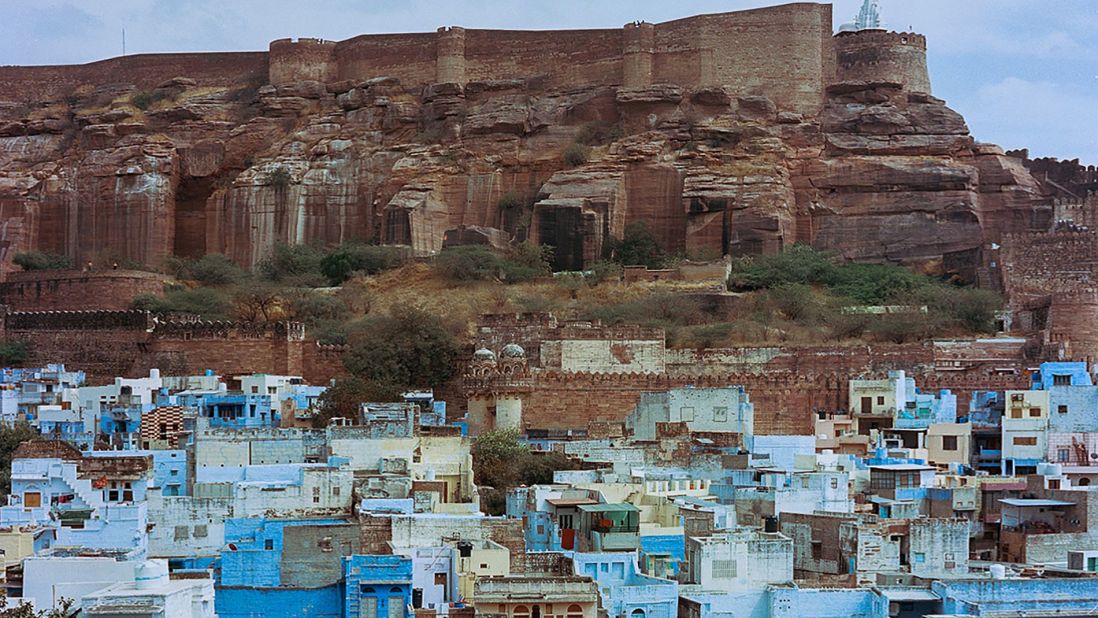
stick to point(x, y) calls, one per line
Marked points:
point(123, 41)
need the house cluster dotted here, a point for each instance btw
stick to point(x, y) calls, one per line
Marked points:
point(202, 496)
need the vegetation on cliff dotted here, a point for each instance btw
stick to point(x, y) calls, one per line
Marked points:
point(40, 260)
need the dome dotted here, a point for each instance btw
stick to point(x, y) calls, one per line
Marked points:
point(484, 354)
point(512, 350)
point(848, 27)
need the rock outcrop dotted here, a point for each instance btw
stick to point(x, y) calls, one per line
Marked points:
point(879, 174)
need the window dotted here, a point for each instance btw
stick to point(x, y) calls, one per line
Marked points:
point(316, 495)
point(1063, 455)
point(817, 550)
point(268, 544)
point(32, 499)
point(880, 400)
point(920, 557)
point(720, 414)
point(949, 443)
point(521, 611)
point(834, 483)
point(335, 492)
point(200, 531)
point(1054, 483)
point(175, 472)
point(575, 611)
point(724, 569)
point(1061, 380)
point(1035, 412)
point(1015, 413)
point(1025, 441)
point(182, 533)
point(369, 605)
point(1061, 409)
point(255, 389)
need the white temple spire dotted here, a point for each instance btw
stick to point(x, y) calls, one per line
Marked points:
point(869, 18)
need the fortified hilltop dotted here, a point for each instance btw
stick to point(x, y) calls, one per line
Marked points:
point(735, 133)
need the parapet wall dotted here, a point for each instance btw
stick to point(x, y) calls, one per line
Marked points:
point(878, 56)
point(783, 52)
point(146, 71)
point(76, 291)
point(106, 344)
point(786, 53)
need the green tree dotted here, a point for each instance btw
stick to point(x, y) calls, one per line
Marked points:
point(408, 348)
point(344, 397)
point(637, 247)
point(338, 265)
point(294, 265)
point(501, 461)
point(11, 436)
point(527, 261)
point(40, 260)
point(207, 303)
point(576, 154)
point(215, 269)
point(497, 458)
point(467, 263)
point(14, 352)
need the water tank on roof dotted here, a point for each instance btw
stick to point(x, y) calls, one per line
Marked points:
point(151, 574)
point(771, 525)
point(998, 571)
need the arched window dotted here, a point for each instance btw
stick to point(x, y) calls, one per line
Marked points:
point(1084, 482)
point(395, 590)
point(575, 611)
point(521, 611)
point(637, 613)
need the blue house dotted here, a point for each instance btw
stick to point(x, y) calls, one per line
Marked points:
point(1060, 374)
point(624, 591)
point(252, 581)
point(239, 411)
point(377, 586)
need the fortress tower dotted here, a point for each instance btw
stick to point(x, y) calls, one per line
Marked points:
point(304, 59)
point(865, 52)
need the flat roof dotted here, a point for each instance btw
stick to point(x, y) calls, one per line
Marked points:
point(571, 501)
point(902, 467)
point(910, 594)
point(609, 507)
point(1034, 502)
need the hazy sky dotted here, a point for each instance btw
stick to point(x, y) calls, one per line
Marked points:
point(1023, 72)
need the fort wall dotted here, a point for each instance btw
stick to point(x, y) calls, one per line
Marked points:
point(76, 291)
point(106, 344)
point(146, 71)
point(784, 52)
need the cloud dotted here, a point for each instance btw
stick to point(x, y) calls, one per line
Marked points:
point(1051, 119)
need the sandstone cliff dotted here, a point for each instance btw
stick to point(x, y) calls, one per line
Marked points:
point(880, 173)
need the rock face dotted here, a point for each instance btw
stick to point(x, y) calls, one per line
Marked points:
point(879, 174)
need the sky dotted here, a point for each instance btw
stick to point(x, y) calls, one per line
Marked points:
point(1024, 73)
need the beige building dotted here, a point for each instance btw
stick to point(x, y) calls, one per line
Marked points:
point(537, 597)
point(949, 443)
point(485, 559)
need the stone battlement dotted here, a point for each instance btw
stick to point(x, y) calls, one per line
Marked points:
point(78, 320)
point(187, 329)
point(786, 53)
point(879, 56)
